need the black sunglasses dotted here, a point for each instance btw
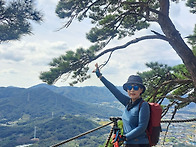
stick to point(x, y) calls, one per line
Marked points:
point(135, 87)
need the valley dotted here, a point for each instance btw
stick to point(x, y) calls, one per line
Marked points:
point(44, 115)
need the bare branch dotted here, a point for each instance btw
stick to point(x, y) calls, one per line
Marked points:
point(68, 23)
point(188, 99)
point(90, 6)
point(186, 81)
point(102, 65)
point(174, 112)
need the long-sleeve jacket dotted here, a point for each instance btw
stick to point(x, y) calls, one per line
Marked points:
point(135, 121)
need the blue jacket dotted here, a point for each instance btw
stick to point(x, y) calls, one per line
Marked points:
point(135, 121)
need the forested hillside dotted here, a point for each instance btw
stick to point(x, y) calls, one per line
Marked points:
point(88, 94)
point(50, 131)
point(41, 101)
point(58, 113)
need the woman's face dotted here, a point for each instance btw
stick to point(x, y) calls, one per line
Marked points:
point(134, 92)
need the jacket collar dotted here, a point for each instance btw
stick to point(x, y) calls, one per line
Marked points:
point(130, 105)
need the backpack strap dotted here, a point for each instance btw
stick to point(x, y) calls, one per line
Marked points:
point(141, 104)
point(147, 132)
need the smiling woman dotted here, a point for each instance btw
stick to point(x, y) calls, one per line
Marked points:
point(136, 115)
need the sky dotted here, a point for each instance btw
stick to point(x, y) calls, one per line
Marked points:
point(22, 61)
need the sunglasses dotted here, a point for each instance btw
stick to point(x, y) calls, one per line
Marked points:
point(135, 87)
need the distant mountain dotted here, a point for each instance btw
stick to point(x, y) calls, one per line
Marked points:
point(9, 91)
point(51, 87)
point(88, 94)
point(58, 113)
point(47, 100)
point(93, 94)
point(40, 101)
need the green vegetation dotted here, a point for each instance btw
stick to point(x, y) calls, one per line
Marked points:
point(51, 131)
point(171, 83)
point(16, 103)
point(15, 18)
point(119, 20)
point(17, 124)
point(53, 114)
point(120, 125)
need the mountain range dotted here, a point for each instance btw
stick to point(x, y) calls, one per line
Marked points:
point(58, 114)
point(46, 100)
point(49, 100)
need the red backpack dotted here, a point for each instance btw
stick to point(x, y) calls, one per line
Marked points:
point(154, 126)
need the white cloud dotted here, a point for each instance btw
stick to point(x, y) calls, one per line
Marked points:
point(182, 18)
point(32, 52)
point(11, 56)
point(8, 71)
point(22, 61)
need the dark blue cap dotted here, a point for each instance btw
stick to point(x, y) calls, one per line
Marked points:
point(134, 79)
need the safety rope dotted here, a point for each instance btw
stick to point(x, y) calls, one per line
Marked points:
point(178, 121)
point(80, 135)
point(90, 131)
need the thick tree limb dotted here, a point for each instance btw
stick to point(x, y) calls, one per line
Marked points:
point(129, 43)
point(175, 39)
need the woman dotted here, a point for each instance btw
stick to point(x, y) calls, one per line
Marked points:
point(135, 119)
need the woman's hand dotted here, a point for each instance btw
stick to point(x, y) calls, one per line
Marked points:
point(97, 71)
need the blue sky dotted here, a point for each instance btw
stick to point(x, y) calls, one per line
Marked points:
point(22, 61)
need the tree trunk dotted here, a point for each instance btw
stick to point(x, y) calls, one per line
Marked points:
point(175, 39)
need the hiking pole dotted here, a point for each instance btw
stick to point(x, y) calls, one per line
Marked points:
point(109, 136)
point(116, 130)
